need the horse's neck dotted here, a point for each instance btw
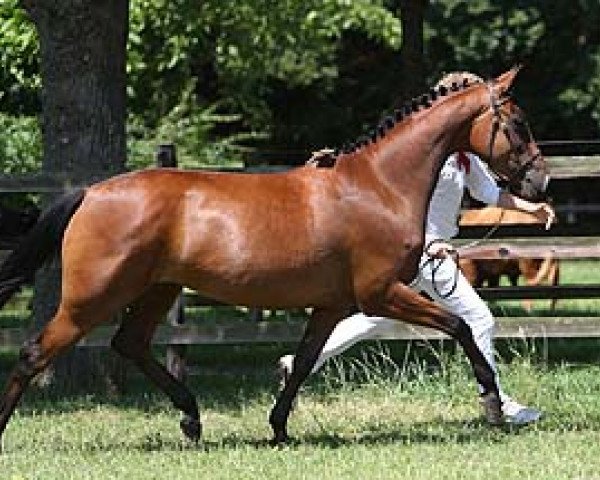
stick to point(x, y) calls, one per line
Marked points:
point(410, 158)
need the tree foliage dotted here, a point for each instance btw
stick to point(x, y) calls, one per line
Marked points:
point(237, 55)
point(19, 73)
point(298, 74)
point(557, 42)
point(20, 144)
point(240, 52)
point(191, 128)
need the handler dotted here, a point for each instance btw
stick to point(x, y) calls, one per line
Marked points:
point(438, 274)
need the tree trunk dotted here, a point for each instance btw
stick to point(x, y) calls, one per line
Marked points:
point(411, 53)
point(83, 52)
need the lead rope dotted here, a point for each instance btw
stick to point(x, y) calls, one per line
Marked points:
point(435, 267)
point(455, 255)
point(488, 234)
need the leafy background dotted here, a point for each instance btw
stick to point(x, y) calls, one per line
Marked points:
point(231, 81)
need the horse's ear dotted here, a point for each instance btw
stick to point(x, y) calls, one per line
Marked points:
point(505, 80)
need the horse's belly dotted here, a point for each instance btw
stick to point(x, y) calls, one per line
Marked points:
point(276, 289)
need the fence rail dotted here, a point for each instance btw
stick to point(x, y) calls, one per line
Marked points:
point(533, 247)
point(574, 166)
point(236, 332)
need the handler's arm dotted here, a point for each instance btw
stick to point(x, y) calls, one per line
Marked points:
point(544, 212)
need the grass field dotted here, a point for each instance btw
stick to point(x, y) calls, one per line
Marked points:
point(356, 420)
point(386, 410)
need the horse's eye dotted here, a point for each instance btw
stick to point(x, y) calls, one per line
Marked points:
point(521, 129)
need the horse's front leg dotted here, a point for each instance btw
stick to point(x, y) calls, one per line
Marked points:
point(403, 303)
point(319, 327)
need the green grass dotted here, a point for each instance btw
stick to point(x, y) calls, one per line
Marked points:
point(385, 410)
point(366, 416)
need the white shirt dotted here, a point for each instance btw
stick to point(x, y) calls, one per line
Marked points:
point(454, 177)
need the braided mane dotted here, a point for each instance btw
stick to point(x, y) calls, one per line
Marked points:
point(328, 157)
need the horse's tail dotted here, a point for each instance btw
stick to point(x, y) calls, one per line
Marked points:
point(38, 245)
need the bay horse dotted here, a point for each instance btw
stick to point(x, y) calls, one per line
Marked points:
point(329, 238)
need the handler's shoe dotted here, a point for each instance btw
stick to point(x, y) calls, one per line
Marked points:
point(518, 414)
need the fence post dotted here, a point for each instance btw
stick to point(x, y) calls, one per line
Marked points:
point(175, 358)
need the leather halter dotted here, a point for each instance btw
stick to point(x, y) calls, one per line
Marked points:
point(509, 123)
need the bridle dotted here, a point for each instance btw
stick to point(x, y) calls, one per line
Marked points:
point(514, 128)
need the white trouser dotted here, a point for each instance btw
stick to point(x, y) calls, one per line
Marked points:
point(463, 302)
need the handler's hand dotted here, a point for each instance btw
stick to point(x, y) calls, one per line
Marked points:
point(440, 249)
point(545, 213)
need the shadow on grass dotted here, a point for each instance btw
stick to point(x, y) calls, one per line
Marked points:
point(435, 432)
point(143, 396)
point(453, 432)
point(228, 377)
point(418, 433)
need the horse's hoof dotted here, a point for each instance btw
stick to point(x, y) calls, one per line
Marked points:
point(492, 408)
point(191, 428)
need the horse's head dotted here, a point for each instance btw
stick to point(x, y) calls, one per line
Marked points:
point(501, 135)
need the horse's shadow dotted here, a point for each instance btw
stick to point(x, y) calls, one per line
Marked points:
point(434, 432)
point(421, 433)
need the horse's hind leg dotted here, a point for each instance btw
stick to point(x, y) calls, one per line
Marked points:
point(59, 334)
point(403, 303)
point(132, 340)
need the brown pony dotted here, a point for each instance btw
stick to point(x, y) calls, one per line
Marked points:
point(330, 238)
point(535, 271)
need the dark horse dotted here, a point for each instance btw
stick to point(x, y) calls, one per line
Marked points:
point(330, 238)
